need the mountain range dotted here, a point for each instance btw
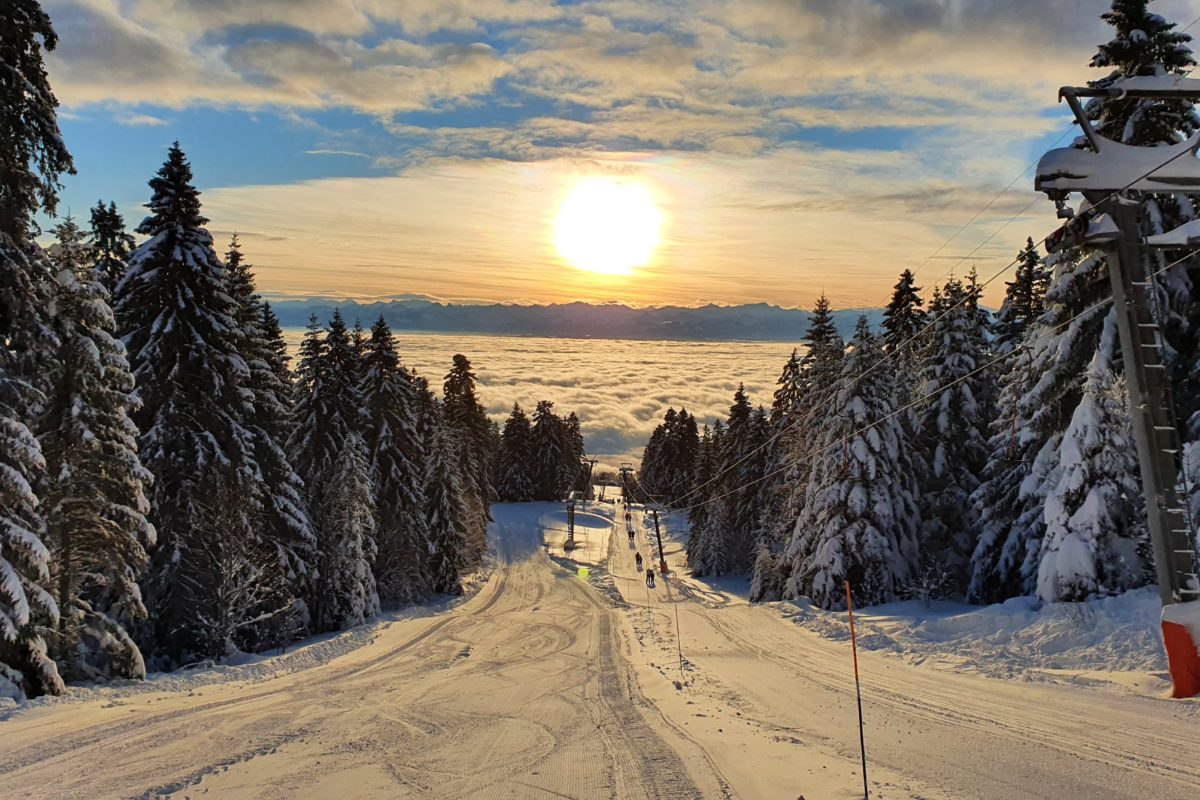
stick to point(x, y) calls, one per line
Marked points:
point(752, 322)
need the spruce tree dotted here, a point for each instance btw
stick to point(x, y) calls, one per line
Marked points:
point(283, 524)
point(192, 384)
point(951, 432)
point(1038, 396)
point(859, 520)
point(1023, 300)
point(32, 157)
point(111, 245)
point(548, 446)
point(820, 366)
point(1092, 523)
point(470, 430)
point(449, 548)
point(94, 503)
point(346, 582)
point(397, 457)
point(903, 319)
point(514, 463)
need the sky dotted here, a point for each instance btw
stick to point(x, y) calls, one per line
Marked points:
point(387, 148)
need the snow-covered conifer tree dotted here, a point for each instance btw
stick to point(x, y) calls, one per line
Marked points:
point(283, 525)
point(514, 483)
point(1092, 521)
point(32, 158)
point(397, 456)
point(111, 244)
point(444, 514)
point(470, 430)
point(346, 582)
point(951, 431)
point(859, 521)
point(192, 384)
point(93, 488)
point(548, 446)
point(903, 319)
point(1023, 300)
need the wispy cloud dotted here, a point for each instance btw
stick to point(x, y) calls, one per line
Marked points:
point(352, 153)
point(141, 120)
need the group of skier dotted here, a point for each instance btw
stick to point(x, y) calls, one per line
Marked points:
point(637, 557)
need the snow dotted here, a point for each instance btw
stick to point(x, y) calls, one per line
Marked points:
point(1187, 615)
point(543, 684)
point(1186, 235)
point(1159, 83)
point(1120, 166)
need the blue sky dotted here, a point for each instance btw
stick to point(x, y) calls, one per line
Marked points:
point(371, 148)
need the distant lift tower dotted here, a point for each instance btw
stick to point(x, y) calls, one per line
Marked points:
point(1111, 177)
point(626, 475)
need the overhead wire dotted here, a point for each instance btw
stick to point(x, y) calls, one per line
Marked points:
point(1092, 209)
point(808, 457)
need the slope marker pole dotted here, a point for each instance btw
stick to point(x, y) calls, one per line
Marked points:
point(862, 742)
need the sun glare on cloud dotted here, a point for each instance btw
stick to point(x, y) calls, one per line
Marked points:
point(607, 226)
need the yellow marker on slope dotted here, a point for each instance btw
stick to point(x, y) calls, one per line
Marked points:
point(584, 572)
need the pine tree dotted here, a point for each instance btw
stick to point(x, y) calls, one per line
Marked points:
point(1037, 398)
point(347, 584)
point(1023, 300)
point(32, 157)
point(111, 245)
point(903, 319)
point(859, 520)
point(547, 436)
point(706, 551)
point(444, 513)
point(94, 502)
point(397, 457)
point(192, 383)
point(277, 357)
point(470, 430)
point(1090, 546)
point(514, 475)
point(951, 431)
point(326, 410)
point(820, 366)
point(283, 525)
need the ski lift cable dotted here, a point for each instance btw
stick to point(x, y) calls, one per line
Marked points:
point(916, 336)
point(808, 457)
point(981, 211)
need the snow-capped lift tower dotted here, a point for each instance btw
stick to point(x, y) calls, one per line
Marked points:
point(1110, 176)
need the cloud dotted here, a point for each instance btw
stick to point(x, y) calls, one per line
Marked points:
point(782, 226)
point(620, 389)
point(141, 120)
point(336, 153)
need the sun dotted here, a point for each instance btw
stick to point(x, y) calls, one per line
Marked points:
point(607, 226)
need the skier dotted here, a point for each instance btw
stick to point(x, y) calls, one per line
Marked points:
point(630, 532)
point(637, 559)
point(650, 577)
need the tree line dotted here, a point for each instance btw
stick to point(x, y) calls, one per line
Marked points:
point(170, 489)
point(953, 453)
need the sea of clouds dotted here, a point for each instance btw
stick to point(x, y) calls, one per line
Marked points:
point(619, 388)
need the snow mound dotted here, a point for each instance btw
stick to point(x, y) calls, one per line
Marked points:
point(1021, 638)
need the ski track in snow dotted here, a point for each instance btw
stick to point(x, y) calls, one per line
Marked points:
point(546, 685)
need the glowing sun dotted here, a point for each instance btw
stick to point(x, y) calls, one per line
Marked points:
point(607, 226)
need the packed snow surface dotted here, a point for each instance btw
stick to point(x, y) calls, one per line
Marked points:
point(546, 684)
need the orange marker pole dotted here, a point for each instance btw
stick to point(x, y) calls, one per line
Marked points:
point(862, 742)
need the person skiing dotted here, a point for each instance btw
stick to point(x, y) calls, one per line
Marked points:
point(650, 577)
point(637, 559)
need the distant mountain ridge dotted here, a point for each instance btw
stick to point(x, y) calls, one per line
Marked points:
point(753, 322)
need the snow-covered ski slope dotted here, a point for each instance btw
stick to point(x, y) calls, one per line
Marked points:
point(546, 685)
